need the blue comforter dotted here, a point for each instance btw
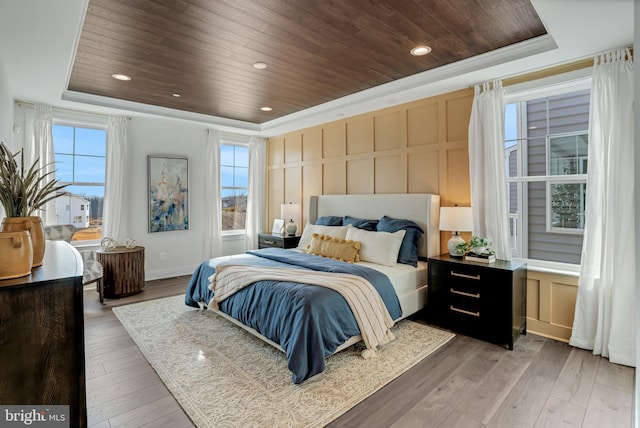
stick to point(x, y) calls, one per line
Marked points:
point(307, 321)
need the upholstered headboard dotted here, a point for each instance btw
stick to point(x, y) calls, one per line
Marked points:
point(422, 208)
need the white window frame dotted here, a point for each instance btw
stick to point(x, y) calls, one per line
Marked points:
point(88, 122)
point(546, 87)
point(229, 234)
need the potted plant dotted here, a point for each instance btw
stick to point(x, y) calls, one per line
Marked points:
point(477, 245)
point(22, 192)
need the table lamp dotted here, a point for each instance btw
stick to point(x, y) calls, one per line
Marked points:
point(456, 219)
point(289, 212)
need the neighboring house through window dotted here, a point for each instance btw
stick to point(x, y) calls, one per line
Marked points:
point(546, 161)
point(80, 155)
point(234, 179)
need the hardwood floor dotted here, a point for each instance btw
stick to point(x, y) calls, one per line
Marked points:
point(467, 383)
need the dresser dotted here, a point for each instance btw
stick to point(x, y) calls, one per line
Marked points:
point(123, 270)
point(485, 301)
point(42, 335)
point(266, 240)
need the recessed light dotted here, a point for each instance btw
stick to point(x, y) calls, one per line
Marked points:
point(119, 76)
point(259, 65)
point(266, 108)
point(420, 50)
point(177, 95)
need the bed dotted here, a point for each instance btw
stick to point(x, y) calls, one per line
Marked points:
point(310, 322)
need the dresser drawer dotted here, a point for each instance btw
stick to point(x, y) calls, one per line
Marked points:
point(477, 300)
point(270, 242)
point(277, 241)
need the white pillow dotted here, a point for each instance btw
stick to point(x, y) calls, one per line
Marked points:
point(377, 247)
point(310, 229)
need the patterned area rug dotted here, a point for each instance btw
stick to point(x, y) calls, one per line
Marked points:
point(223, 376)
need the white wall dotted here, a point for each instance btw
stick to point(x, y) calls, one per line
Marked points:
point(184, 249)
point(6, 108)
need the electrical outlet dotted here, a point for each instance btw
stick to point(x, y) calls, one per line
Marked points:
point(163, 256)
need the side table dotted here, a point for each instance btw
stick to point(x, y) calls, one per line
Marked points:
point(123, 271)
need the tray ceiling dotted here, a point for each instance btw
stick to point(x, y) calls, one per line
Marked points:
point(315, 51)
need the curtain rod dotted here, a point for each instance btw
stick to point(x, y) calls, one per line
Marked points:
point(552, 71)
point(67, 110)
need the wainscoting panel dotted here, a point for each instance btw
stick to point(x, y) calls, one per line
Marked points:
point(360, 136)
point(359, 173)
point(312, 145)
point(423, 125)
point(551, 302)
point(389, 130)
point(390, 174)
point(334, 141)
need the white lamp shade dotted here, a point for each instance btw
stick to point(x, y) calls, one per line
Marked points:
point(458, 219)
point(289, 211)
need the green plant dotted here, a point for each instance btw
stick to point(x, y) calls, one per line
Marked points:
point(22, 192)
point(474, 245)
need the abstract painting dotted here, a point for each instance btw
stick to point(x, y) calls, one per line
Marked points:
point(168, 193)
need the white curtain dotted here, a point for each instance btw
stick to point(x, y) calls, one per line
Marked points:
point(39, 147)
point(486, 167)
point(604, 317)
point(212, 199)
point(114, 218)
point(255, 202)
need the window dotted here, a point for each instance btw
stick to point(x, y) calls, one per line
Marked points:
point(234, 177)
point(80, 155)
point(546, 161)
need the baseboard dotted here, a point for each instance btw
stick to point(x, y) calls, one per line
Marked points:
point(169, 273)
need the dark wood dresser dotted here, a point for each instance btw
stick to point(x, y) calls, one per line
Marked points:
point(485, 301)
point(277, 241)
point(42, 335)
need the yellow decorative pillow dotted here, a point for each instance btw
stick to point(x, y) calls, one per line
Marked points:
point(345, 250)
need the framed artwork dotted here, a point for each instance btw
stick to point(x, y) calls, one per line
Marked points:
point(278, 224)
point(168, 193)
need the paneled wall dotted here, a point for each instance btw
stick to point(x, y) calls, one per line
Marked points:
point(419, 147)
point(551, 301)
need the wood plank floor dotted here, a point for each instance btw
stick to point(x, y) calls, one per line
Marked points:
point(467, 383)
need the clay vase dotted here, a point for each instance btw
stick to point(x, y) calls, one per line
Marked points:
point(16, 254)
point(35, 228)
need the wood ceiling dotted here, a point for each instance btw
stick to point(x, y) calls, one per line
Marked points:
point(316, 50)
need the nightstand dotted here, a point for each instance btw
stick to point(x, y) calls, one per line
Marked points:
point(266, 240)
point(485, 301)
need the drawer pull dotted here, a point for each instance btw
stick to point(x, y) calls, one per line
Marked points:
point(462, 275)
point(266, 241)
point(475, 314)
point(462, 293)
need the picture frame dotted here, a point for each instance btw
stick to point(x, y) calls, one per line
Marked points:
point(278, 225)
point(168, 185)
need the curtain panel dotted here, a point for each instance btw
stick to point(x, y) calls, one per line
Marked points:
point(257, 191)
point(486, 167)
point(38, 147)
point(605, 313)
point(212, 245)
point(114, 218)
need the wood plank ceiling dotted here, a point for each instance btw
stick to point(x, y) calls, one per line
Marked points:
point(315, 50)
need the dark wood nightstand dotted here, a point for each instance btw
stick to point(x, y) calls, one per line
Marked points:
point(266, 240)
point(485, 301)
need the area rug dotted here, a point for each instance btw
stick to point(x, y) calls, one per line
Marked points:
point(223, 376)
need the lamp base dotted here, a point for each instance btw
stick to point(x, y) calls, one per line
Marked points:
point(291, 228)
point(453, 243)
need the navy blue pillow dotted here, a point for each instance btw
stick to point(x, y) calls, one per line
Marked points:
point(360, 223)
point(329, 220)
point(408, 253)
